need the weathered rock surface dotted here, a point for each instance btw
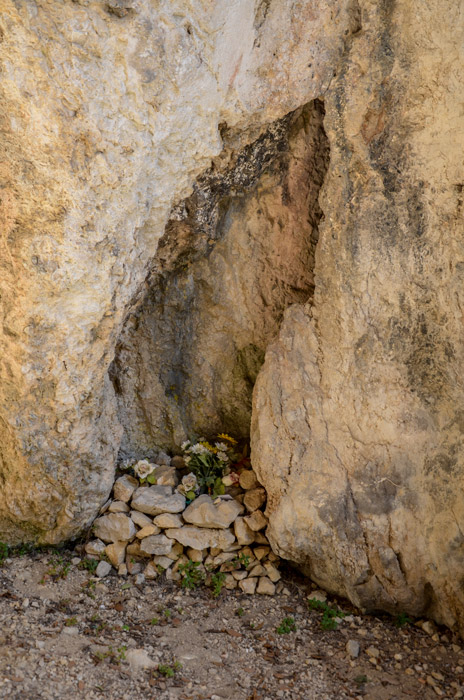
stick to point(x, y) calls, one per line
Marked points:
point(158, 499)
point(204, 513)
point(201, 537)
point(114, 527)
point(357, 429)
point(106, 122)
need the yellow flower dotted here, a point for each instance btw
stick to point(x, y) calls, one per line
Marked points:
point(209, 447)
point(224, 436)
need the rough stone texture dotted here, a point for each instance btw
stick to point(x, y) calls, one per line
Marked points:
point(204, 513)
point(357, 427)
point(156, 544)
point(158, 499)
point(201, 538)
point(124, 487)
point(107, 119)
point(234, 256)
point(114, 527)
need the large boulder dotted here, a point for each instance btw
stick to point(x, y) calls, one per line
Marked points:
point(357, 428)
point(108, 112)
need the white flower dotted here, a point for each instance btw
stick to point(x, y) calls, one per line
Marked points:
point(184, 445)
point(222, 447)
point(143, 468)
point(189, 483)
point(187, 459)
point(222, 456)
point(199, 449)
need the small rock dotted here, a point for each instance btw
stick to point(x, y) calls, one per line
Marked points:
point(428, 627)
point(164, 562)
point(134, 549)
point(151, 571)
point(166, 520)
point(261, 552)
point(257, 570)
point(148, 530)
point(223, 558)
point(248, 480)
point(239, 575)
point(204, 513)
point(265, 586)
point(272, 572)
point(133, 567)
point(95, 548)
point(195, 555)
point(163, 459)
point(178, 462)
point(156, 544)
point(115, 527)
point(166, 476)
point(254, 499)
point(256, 521)
point(140, 519)
point(248, 585)
point(71, 631)
point(158, 499)
point(243, 533)
point(201, 538)
point(138, 660)
point(260, 538)
point(229, 582)
point(139, 579)
point(124, 487)
point(103, 569)
point(373, 652)
point(122, 570)
point(321, 596)
point(118, 507)
point(353, 648)
point(275, 557)
point(116, 553)
point(176, 551)
point(105, 507)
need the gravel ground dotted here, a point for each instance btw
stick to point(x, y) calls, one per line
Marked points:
point(64, 633)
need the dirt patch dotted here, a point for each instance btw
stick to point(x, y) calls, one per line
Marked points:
point(66, 634)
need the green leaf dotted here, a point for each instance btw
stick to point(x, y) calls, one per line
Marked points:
point(151, 478)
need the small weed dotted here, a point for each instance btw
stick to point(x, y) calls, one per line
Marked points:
point(169, 671)
point(329, 614)
point(360, 680)
point(4, 551)
point(126, 628)
point(89, 565)
point(217, 582)
point(71, 622)
point(286, 626)
point(114, 656)
point(402, 619)
point(240, 612)
point(59, 567)
point(154, 621)
point(167, 613)
point(191, 574)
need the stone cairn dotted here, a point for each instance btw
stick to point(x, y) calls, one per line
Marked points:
point(147, 530)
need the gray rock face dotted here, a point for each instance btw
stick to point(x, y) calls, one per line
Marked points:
point(201, 538)
point(156, 544)
point(158, 499)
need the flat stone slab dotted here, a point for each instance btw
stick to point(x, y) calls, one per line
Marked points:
point(204, 513)
point(201, 538)
point(158, 499)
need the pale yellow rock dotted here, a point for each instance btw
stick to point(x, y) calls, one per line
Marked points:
point(261, 552)
point(229, 582)
point(116, 553)
point(248, 585)
point(260, 538)
point(122, 569)
point(257, 570)
point(239, 575)
point(151, 571)
point(256, 521)
point(166, 475)
point(156, 544)
point(272, 573)
point(114, 527)
point(176, 551)
point(166, 520)
point(254, 499)
point(195, 554)
point(243, 532)
point(124, 487)
point(134, 548)
point(164, 562)
point(204, 513)
point(265, 586)
point(248, 479)
point(148, 530)
point(201, 538)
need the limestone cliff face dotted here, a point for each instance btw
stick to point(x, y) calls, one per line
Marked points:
point(161, 212)
point(357, 415)
point(109, 111)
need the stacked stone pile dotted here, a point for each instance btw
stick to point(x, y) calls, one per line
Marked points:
point(146, 530)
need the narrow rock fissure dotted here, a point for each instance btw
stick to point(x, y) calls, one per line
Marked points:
point(235, 255)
